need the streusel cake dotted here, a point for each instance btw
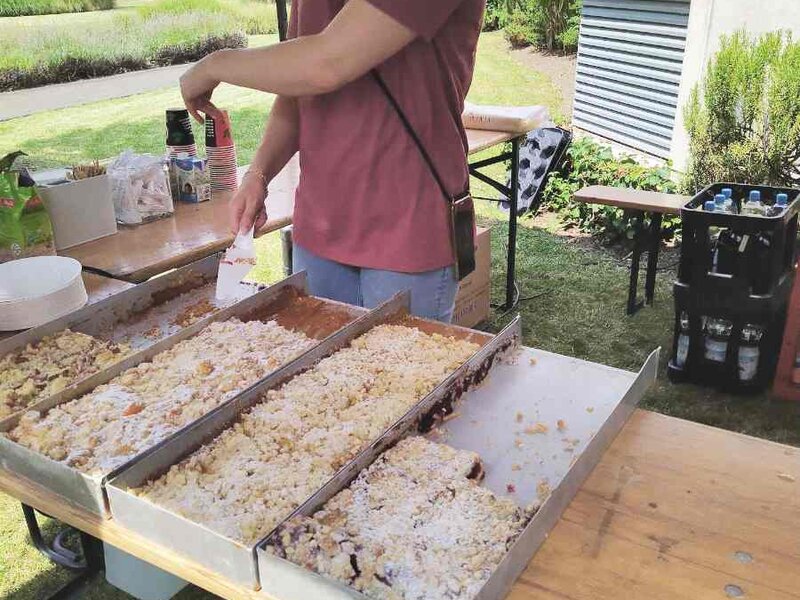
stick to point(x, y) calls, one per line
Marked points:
point(255, 473)
point(415, 525)
point(134, 411)
point(45, 368)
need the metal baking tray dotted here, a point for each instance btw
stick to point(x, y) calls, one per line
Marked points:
point(286, 302)
point(138, 316)
point(233, 559)
point(592, 401)
point(141, 315)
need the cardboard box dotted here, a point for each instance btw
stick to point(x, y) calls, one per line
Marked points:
point(474, 291)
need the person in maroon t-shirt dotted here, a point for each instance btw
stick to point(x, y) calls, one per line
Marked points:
point(369, 218)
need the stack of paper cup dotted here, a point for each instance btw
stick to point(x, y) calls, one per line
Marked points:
point(180, 139)
point(221, 153)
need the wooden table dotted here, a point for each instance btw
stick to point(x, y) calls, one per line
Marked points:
point(639, 205)
point(195, 231)
point(675, 510)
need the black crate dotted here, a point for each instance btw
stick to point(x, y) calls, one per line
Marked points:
point(768, 313)
point(750, 284)
point(760, 253)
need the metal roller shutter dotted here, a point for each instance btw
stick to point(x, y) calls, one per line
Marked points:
point(630, 58)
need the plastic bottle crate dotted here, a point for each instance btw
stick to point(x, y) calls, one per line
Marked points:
point(750, 268)
point(726, 375)
point(750, 284)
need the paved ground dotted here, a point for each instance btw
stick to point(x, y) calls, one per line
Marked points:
point(49, 97)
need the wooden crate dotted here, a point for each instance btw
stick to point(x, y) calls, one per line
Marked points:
point(783, 386)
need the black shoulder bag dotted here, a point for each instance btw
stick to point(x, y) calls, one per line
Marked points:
point(461, 207)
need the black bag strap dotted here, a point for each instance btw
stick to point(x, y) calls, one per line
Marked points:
point(417, 141)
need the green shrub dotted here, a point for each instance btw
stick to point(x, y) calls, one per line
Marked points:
point(743, 118)
point(523, 27)
point(18, 8)
point(497, 13)
point(161, 33)
point(590, 163)
point(549, 24)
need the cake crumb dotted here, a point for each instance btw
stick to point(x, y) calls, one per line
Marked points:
point(786, 477)
point(561, 424)
point(520, 417)
point(534, 429)
point(590, 409)
point(516, 467)
point(518, 443)
point(533, 361)
point(511, 488)
point(451, 416)
point(543, 489)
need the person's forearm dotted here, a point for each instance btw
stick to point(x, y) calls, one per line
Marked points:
point(280, 140)
point(292, 68)
point(359, 38)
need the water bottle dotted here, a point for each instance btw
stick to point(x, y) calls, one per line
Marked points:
point(760, 259)
point(713, 232)
point(753, 206)
point(718, 334)
point(749, 352)
point(682, 352)
point(730, 205)
point(781, 202)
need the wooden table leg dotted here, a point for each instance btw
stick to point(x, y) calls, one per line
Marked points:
point(652, 257)
point(638, 243)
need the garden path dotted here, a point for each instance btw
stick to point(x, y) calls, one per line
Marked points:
point(62, 95)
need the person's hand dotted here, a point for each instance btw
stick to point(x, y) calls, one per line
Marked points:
point(197, 85)
point(247, 207)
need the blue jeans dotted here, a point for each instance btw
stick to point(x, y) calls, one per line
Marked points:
point(433, 293)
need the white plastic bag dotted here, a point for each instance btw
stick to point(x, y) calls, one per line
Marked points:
point(139, 188)
point(238, 261)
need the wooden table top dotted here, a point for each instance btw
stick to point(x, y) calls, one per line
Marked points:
point(674, 510)
point(654, 202)
point(195, 231)
point(481, 139)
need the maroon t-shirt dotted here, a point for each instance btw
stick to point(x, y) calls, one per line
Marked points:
point(366, 197)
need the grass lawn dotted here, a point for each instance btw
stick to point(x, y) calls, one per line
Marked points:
point(578, 289)
point(37, 50)
point(13, 8)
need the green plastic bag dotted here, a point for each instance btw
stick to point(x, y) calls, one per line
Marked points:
point(25, 228)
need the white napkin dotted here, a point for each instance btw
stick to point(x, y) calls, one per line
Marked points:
point(238, 261)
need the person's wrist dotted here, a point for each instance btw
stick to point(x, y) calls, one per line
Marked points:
point(210, 65)
point(257, 178)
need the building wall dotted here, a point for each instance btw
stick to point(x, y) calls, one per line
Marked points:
point(708, 21)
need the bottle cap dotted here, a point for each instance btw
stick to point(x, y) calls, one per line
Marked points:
point(755, 196)
point(709, 205)
point(727, 192)
point(719, 199)
point(782, 199)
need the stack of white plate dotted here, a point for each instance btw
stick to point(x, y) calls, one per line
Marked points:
point(39, 289)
